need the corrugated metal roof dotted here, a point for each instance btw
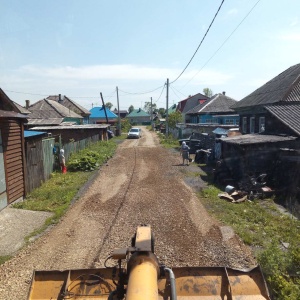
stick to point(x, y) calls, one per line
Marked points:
point(193, 102)
point(29, 133)
point(138, 113)
point(98, 112)
point(256, 139)
point(51, 121)
point(288, 113)
point(73, 127)
point(220, 131)
point(283, 87)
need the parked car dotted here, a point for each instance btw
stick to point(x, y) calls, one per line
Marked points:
point(134, 133)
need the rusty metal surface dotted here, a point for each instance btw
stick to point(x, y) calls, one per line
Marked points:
point(191, 283)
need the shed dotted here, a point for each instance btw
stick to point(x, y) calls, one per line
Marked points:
point(12, 159)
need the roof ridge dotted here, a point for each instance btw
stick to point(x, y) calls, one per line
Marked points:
point(54, 106)
point(296, 81)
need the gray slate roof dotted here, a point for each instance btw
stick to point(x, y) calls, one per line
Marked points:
point(288, 113)
point(248, 139)
point(69, 103)
point(283, 87)
point(219, 103)
point(193, 101)
point(50, 109)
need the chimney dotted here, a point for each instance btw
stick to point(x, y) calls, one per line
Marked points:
point(27, 103)
point(224, 93)
point(59, 97)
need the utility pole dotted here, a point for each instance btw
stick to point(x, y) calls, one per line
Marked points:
point(167, 115)
point(119, 118)
point(103, 105)
point(151, 115)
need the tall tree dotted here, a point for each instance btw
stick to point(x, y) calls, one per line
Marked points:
point(130, 108)
point(162, 111)
point(147, 107)
point(207, 92)
point(109, 105)
point(174, 118)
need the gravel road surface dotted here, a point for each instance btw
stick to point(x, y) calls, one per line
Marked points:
point(142, 184)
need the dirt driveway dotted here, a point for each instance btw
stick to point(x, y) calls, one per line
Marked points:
point(142, 184)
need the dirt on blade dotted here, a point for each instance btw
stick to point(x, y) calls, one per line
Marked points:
point(142, 184)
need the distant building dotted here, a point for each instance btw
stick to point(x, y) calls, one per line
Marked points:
point(139, 116)
point(98, 116)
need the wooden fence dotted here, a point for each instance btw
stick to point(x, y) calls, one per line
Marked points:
point(41, 160)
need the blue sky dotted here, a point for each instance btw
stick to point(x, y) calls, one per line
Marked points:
point(80, 48)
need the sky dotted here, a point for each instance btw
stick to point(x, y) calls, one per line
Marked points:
point(81, 48)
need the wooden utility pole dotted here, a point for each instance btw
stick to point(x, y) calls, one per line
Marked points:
point(103, 105)
point(151, 110)
point(119, 118)
point(167, 107)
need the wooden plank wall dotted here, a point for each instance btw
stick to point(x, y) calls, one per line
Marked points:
point(48, 157)
point(34, 164)
point(13, 158)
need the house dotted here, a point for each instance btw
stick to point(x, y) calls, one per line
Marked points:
point(270, 123)
point(101, 115)
point(72, 105)
point(139, 116)
point(172, 109)
point(274, 108)
point(214, 111)
point(123, 113)
point(12, 160)
point(187, 104)
point(47, 112)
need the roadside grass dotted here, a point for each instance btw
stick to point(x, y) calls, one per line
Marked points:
point(273, 236)
point(4, 258)
point(168, 141)
point(56, 194)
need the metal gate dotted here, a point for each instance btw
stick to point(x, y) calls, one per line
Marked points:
point(3, 194)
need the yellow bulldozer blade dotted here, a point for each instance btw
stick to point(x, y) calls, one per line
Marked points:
point(191, 283)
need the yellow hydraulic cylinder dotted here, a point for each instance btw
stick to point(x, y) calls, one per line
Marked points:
point(143, 273)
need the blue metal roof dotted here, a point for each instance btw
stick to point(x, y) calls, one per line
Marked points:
point(28, 133)
point(98, 112)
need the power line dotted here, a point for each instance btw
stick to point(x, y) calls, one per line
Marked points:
point(175, 92)
point(200, 42)
point(160, 93)
point(225, 41)
point(141, 93)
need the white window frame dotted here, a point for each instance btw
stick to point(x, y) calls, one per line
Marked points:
point(262, 124)
point(252, 124)
point(244, 124)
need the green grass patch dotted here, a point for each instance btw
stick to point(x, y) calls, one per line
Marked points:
point(168, 141)
point(56, 194)
point(274, 237)
point(4, 258)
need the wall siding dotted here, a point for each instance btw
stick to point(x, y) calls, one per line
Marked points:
point(13, 158)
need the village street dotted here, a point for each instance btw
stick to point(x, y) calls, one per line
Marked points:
point(142, 184)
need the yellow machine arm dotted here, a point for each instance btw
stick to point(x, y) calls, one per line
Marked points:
point(144, 278)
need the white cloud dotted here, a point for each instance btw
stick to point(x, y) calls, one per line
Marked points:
point(232, 11)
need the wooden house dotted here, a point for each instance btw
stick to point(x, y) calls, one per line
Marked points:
point(215, 111)
point(12, 159)
point(99, 115)
point(139, 117)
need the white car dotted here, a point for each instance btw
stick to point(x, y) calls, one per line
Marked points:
point(134, 133)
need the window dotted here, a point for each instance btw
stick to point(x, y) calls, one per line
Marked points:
point(262, 126)
point(230, 122)
point(244, 124)
point(252, 124)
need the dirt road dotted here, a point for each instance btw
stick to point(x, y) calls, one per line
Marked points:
point(142, 184)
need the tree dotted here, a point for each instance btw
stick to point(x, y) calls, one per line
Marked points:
point(109, 105)
point(207, 92)
point(174, 118)
point(162, 111)
point(147, 107)
point(130, 108)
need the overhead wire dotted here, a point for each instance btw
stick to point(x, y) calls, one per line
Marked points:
point(225, 41)
point(160, 93)
point(200, 43)
point(141, 93)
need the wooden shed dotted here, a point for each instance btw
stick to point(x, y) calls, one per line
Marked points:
point(12, 159)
